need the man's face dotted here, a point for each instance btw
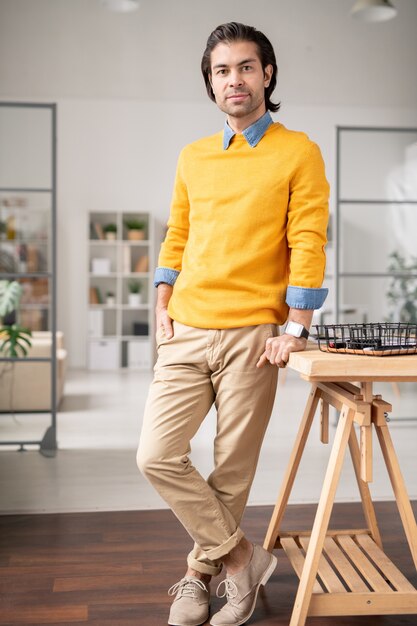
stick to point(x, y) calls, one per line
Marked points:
point(239, 82)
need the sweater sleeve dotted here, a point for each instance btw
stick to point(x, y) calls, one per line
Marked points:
point(306, 231)
point(172, 249)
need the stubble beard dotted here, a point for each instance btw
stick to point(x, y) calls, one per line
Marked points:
point(239, 110)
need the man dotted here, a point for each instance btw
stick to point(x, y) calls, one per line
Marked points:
point(244, 253)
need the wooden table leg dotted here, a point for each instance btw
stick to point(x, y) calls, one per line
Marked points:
point(321, 522)
point(398, 485)
point(367, 504)
point(292, 468)
point(324, 421)
point(366, 453)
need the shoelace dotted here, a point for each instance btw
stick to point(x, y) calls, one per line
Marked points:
point(187, 588)
point(230, 589)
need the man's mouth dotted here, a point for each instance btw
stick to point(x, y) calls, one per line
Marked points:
point(237, 97)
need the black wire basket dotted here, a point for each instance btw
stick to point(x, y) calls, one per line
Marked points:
point(382, 339)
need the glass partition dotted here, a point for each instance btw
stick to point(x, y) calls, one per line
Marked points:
point(27, 208)
point(376, 268)
point(28, 255)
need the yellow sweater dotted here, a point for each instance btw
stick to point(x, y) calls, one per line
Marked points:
point(244, 224)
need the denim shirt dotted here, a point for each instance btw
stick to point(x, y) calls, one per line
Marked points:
point(296, 297)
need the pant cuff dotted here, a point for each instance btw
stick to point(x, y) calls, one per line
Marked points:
point(226, 547)
point(204, 568)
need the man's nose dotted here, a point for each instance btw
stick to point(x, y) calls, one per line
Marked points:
point(235, 79)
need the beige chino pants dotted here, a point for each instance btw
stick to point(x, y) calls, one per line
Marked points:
point(196, 368)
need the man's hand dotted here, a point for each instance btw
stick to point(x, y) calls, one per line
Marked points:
point(164, 321)
point(278, 349)
point(162, 318)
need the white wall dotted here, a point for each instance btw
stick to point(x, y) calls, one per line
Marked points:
point(130, 95)
point(76, 49)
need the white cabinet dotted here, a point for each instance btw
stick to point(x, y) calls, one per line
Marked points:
point(95, 323)
point(104, 354)
point(139, 354)
point(121, 264)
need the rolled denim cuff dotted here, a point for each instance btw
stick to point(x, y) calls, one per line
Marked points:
point(305, 297)
point(165, 275)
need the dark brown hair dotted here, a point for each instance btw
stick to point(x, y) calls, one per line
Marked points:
point(234, 31)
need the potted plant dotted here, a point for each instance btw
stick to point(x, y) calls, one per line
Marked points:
point(135, 296)
point(14, 339)
point(110, 298)
point(402, 289)
point(135, 229)
point(110, 231)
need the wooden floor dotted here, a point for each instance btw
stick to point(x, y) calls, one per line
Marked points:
point(115, 568)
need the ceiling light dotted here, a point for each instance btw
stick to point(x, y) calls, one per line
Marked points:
point(374, 10)
point(121, 6)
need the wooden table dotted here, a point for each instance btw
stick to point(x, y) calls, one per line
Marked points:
point(346, 572)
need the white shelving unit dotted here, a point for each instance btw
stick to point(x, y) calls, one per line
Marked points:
point(120, 333)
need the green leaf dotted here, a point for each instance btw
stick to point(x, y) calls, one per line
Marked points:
point(10, 294)
point(13, 340)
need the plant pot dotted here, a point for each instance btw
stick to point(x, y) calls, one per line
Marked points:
point(110, 301)
point(135, 299)
point(111, 236)
point(135, 235)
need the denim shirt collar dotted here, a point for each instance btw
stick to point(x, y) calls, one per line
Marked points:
point(253, 134)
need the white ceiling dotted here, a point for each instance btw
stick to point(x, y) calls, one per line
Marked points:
point(77, 49)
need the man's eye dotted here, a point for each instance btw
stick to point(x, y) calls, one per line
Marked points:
point(221, 72)
point(247, 68)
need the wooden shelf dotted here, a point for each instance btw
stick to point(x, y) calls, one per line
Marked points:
point(354, 577)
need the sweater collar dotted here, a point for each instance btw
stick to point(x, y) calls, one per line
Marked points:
point(253, 134)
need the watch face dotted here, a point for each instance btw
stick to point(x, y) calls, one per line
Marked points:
point(294, 329)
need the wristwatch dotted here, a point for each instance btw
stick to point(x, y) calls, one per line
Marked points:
point(296, 330)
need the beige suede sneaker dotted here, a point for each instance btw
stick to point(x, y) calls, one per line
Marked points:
point(241, 590)
point(191, 603)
